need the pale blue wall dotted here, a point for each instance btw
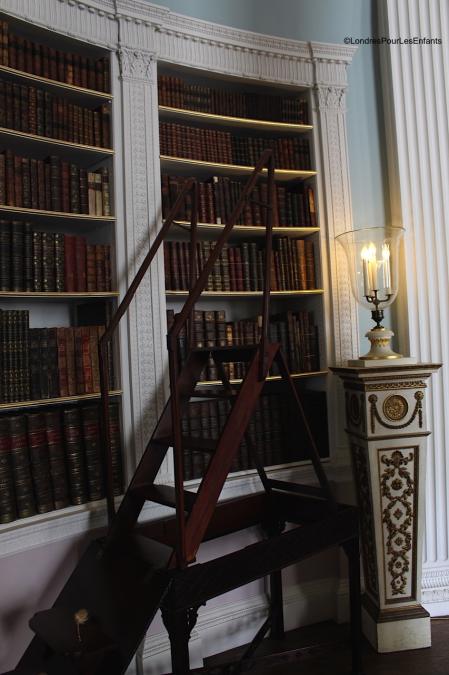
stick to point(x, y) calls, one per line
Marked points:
point(325, 21)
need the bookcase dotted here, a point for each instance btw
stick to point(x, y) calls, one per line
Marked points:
point(57, 270)
point(215, 128)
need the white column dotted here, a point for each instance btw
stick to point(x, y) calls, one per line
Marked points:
point(142, 215)
point(416, 85)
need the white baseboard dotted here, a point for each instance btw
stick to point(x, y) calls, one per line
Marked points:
point(227, 626)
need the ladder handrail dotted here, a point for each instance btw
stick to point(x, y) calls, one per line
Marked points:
point(266, 160)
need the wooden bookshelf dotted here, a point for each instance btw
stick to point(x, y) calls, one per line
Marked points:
point(246, 294)
point(271, 378)
point(299, 327)
point(250, 230)
point(56, 401)
point(57, 295)
point(60, 88)
point(32, 214)
point(180, 165)
point(47, 360)
point(167, 113)
point(21, 139)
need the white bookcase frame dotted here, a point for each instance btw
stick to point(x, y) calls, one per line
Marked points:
point(138, 34)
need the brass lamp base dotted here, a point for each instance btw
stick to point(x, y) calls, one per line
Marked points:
point(381, 353)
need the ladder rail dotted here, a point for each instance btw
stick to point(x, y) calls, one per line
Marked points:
point(197, 285)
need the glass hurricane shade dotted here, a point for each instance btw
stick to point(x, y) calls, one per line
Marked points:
point(373, 260)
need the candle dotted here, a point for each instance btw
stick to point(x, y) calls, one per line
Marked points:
point(386, 268)
point(366, 274)
point(372, 266)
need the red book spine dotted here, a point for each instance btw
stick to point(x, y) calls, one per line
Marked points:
point(80, 257)
point(87, 361)
point(62, 362)
point(70, 263)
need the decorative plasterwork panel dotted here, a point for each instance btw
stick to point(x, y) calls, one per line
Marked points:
point(398, 491)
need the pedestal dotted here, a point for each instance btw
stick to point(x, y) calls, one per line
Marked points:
point(386, 424)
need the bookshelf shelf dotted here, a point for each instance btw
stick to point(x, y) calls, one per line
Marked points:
point(81, 93)
point(182, 114)
point(245, 294)
point(75, 150)
point(55, 401)
point(251, 230)
point(56, 215)
point(271, 378)
point(182, 165)
point(61, 295)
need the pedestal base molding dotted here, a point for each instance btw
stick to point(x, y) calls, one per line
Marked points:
point(396, 630)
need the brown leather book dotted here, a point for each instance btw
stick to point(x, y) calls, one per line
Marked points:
point(71, 361)
point(81, 267)
point(70, 263)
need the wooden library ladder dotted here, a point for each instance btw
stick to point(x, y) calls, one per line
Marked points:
point(103, 612)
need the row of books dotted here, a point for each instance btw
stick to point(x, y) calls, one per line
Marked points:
point(176, 93)
point(53, 185)
point(241, 267)
point(295, 331)
point(210, 145)
point(42, 363)
point(36, 111)
point(45, 61)
point(219, 195)
point(205, 420)
point(51, 261)
point(51, 460)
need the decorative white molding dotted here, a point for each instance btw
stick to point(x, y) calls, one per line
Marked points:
point(415, 85)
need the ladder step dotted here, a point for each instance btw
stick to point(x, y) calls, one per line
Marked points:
point(165, 495)
point(297, 488)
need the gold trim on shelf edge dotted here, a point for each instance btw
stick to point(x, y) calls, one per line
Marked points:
point(54, 401)
point(298, 173)
point(55, 83)
point(61, 294)
point(244, 121)
point(56, 141)
point(245, 294)
point(252, 228)
point(49, 214)
point(270, 378)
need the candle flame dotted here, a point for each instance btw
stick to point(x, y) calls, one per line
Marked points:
point(385, 252)
point(369, 252)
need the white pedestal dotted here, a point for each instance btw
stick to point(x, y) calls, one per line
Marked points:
point(386, 424)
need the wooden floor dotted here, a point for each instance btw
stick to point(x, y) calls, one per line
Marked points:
point(432, 661)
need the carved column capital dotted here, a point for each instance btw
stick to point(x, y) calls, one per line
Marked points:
point(330, 97)
point(137, 64)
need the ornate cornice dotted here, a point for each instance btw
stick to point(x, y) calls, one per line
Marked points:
point(330, 97)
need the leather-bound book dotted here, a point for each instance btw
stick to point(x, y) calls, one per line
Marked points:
point(81, 268)
point(105, 193)
point(24, 108)
point(37, 261)
point(34, 187)
point(65, 187)
point(92, 449)
point(5, 255)
point(71, 361)
point(79, 362)
point(26, 183)
point(116, 448)
point(83, 189)
point(91, 275)
point(310, 264)
point(21, 467)
point(63, 384)
point(17, 255)
point(40, 464)
point(74, 452)
point(55, 183)
point(58, 472)
point(52, 351)
point(28, 277)
point(44, 375)
point(70, 263)
point(100, 262)
point(48, 261)
point(91, 193)
point(75, 204)
point(7, 496)
point(23, 320)
point(59, 261)
point(2, 178)
point(93, 351)
point(35, 363)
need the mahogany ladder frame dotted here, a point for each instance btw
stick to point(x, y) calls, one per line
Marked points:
point(266, 161)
